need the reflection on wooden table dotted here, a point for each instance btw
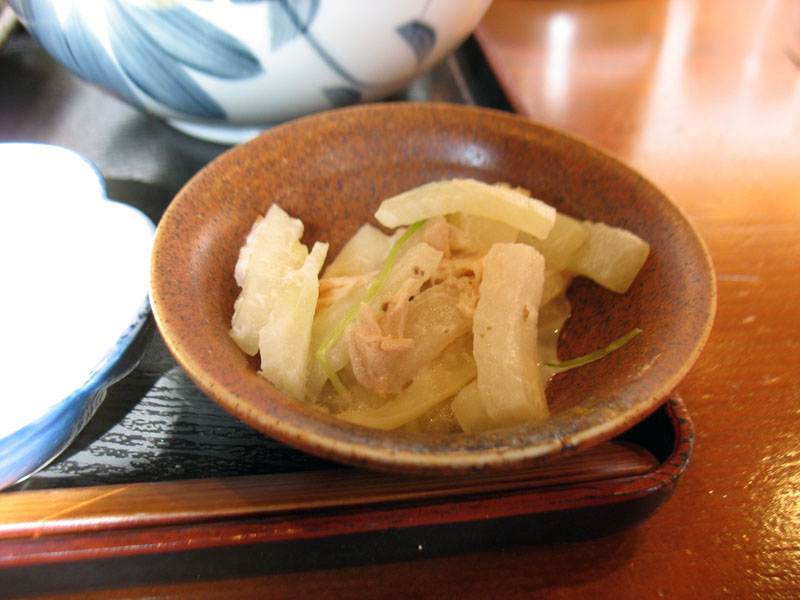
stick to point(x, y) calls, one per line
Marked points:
point(703, 98)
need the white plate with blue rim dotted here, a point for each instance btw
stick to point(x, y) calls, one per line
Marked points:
point(75, 304)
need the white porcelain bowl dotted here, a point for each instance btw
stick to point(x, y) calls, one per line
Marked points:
point(76, 302)
point(226, 69)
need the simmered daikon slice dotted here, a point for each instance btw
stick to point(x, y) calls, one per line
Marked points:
point(561, 244)
point(469, 411)
point(407, 270)
point(504, 332)
point(270, 254)
point(416, 264)
point(502, 203)
point(447, 374)
point(285, 337)
point(611, 256)
point(475, 235)
point(364, 252)
point(325, 321)
point(433, 322)
point(555, 284)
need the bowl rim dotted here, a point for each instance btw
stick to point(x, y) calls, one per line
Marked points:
point(356, 448)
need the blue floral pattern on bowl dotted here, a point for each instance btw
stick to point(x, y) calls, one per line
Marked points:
point(174, 57)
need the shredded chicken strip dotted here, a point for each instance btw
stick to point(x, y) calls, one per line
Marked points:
point(332, 289)
point(373, 345)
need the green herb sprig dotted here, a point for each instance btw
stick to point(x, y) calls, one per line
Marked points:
point(596, 355)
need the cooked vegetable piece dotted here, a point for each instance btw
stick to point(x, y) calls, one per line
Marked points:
point(448, 373)
point(611, 256)
point(504, 331)
point(561, 244)
point(376, 337)
point(597, 354)
point(472, 235)
point(285, 338)
point(269, 257)
point(364, 252)
point(434, 320)
point(468, 409)
point(555, 283)
point(325, 322)
point(501, 203)
point(398, 268)
point(415, 264)
point(434, 421)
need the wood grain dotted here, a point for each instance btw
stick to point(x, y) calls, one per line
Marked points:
point(704, 99)
point(47, 512)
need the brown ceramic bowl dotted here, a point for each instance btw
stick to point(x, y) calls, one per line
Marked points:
point(332, 170)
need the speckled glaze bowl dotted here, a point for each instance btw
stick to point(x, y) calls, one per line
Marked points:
point(332, 170)
point(224, 70)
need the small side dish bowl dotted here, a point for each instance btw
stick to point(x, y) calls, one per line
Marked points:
point(77, 312)
point(332, 170)
point(224, 70)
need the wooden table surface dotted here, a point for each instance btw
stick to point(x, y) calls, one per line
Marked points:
point(703, 98)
